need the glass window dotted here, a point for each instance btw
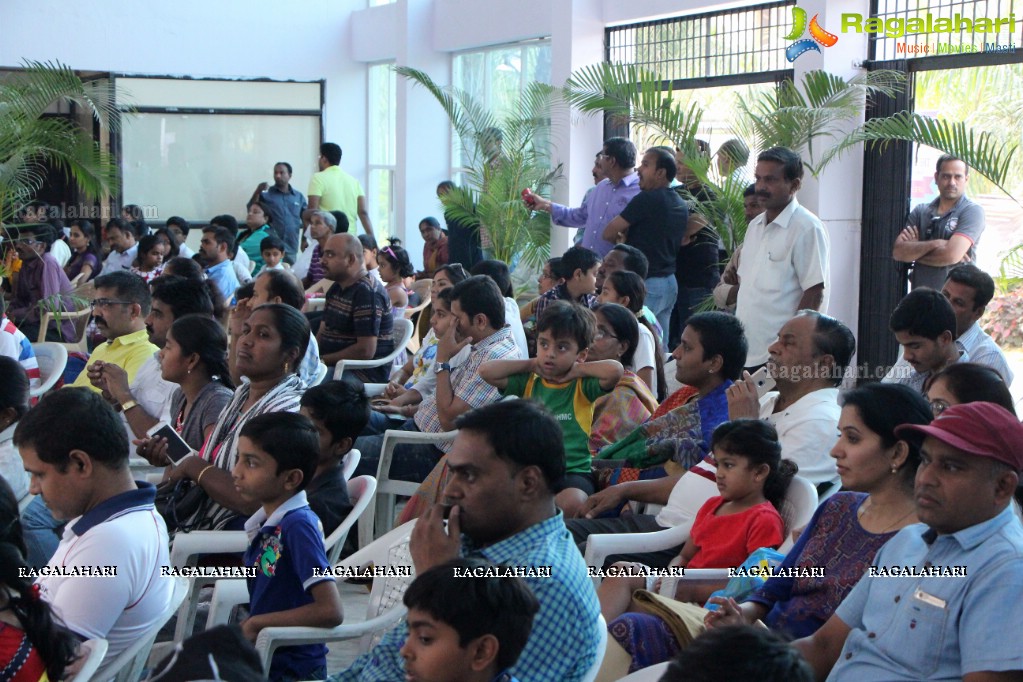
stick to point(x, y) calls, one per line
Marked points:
point(381, 140)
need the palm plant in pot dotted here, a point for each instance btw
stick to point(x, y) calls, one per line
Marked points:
point(504, 155)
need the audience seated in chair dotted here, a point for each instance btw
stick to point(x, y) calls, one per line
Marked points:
point(82, 475)
point(418, 378)
point(120, 309)
point(277, 457)
point(934, 627)
point(507, 462)
point(464, 628)
point(146, 401)
point(86, 251)
point(357, 321)
point(216, 247)
point(435, 247)
point(478, 310)
point(32, 645)
point(120, 235)
point(739, 652)
point(14, 396)
point(340, 411)
point(40, 281)
point(274, 339)
point(18, 347)
point(498, 271)
point(274, 286)
point(845, 533)
point(631, 403)
point(627, 289)
point(924, 324)
point(568, 385)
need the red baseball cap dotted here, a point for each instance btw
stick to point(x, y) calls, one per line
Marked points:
point(983, 429)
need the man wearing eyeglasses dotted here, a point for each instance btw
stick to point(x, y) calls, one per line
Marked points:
point(120, 308)
point(41, 280)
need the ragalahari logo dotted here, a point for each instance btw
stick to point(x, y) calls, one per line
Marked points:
point(817, 35)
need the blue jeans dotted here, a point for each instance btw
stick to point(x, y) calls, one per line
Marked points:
point(412, 461)
point(660, 298)
point(40, 531)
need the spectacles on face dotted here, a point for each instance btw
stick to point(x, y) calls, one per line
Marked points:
point(938, 406)
point(603, 333)
point(546, 275)
point(107, 302)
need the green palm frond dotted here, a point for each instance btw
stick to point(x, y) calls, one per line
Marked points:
point(497, 173)
point(628, 93)
point(982, 152)
point(1010, 270)
point(29, 140)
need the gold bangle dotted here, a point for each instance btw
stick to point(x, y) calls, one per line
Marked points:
point(198, 479)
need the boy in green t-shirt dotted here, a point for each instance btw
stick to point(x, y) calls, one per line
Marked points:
point(566, 384)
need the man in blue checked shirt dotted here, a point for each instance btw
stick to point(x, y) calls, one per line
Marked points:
point(504, 468)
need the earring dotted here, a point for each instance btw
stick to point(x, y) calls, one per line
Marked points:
point(285, 368)
point(895, 469)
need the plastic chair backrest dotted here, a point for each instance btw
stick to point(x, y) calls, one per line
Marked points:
point(52, 359)
point(350, 462)
point(361, 491)
point(797, 508)
point(80, 319)
point(94, 650)
point(387, 592)
point(129, 663)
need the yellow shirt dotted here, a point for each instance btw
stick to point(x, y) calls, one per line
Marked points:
point(128, 352)
point(338, 191)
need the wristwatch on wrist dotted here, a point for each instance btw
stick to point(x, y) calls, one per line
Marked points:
point(127, 405)
point(443, 367)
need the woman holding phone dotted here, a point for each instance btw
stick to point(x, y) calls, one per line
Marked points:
point(195, 358)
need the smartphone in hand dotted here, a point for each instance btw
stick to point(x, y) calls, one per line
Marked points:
point(177, 448)
point(764, 381)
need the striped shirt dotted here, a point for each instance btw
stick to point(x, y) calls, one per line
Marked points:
point(221, 448)
point(16, 345)
point(362, 309)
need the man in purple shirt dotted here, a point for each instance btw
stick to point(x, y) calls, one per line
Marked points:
point(40, 279)
point(603, 202)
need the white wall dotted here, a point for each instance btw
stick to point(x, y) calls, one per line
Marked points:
point(251, 39)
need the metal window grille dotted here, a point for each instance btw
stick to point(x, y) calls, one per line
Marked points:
point(887, 45)
point(729, 43)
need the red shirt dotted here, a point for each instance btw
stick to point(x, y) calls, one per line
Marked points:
point(32, 668)
point(726, 541)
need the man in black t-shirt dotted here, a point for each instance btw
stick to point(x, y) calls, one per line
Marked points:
point(655, 222)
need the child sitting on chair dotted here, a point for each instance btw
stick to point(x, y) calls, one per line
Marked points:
point(277, 458)
point(466, 629)
point(340, 411)
point(561, 379)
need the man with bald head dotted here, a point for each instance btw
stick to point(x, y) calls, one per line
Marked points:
point(357, 322)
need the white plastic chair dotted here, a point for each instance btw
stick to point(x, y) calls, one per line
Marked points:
point(796, 510)
point(321, 372)
point(651, 674)
point(384, 610)
point(94, 650)
point(52, 359)
point(388, 489)
point(127, 667)
point(188, 547)
point(80, 319)
point(591, 674)
point(350, 463)
point(402, 333)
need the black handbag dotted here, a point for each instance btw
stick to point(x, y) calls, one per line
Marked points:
point(178, 502)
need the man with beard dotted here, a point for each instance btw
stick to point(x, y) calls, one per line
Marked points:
point(146, 401)
point(120, 308)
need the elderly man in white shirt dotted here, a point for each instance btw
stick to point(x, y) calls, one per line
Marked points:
point(784, 265)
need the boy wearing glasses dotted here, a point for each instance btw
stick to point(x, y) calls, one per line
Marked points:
point(40, 279)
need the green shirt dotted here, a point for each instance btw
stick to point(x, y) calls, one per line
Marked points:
point(338, 191)
point(571, 403)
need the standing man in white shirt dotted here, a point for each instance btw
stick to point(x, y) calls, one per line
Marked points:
point(784, 266)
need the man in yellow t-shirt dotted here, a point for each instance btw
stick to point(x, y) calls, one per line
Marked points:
point(334, 190)
point(120, 309)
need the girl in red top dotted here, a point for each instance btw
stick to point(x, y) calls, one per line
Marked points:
point(752, 479)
